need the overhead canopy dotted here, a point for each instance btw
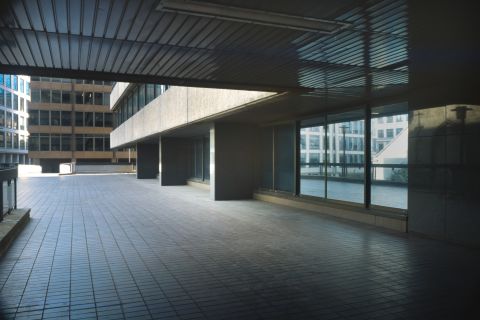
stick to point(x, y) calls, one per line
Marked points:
point(328, 47)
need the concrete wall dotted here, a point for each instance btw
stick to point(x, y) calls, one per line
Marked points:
point(232, 157)
point(117, 92)
point(175, 159)
point(147, 160)
point(104, 168)
point(180, 106)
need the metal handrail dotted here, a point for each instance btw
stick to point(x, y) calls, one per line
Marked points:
point(9, 175)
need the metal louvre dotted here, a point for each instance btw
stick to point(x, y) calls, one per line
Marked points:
point(131, 40)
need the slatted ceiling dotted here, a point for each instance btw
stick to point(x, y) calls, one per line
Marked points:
point(145, 54)
point(132, 37)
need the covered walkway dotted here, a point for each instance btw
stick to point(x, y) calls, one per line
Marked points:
point(111, 246)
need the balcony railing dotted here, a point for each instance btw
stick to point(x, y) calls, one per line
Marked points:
point(8, 196)
point(381, 173)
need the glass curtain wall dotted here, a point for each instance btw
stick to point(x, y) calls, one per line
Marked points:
point(345, 156)
point(201, 158)
point(332, 161)
point(277, 161)
point(312, 157)
point(389, 140)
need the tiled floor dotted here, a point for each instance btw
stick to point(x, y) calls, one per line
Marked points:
point(112, 247)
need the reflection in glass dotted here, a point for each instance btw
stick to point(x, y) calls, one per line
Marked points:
point(345, 157)
point(312, 166)
point(390, 156)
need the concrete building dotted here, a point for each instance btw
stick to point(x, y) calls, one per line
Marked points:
point(14, 101)
point(70, 121)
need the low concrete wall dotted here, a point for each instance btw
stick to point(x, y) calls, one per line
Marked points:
point(104, 168)
point(180, 106)
point(388, 221)
point(28, 169)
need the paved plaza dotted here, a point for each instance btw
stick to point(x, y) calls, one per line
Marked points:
point(113, 247)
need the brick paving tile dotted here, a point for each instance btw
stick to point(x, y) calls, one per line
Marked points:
point(113, 247)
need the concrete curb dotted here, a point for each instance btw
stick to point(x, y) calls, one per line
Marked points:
point(11, 225)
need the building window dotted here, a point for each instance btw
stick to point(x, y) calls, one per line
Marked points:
point(35, 96)
point(2, 97)
point(99, 98)
point(303, 143)
point(33, 142)
point(44, 118)
point(389, 133)
point(314, 142)
point(2, 118)
point(130, 106)
point(8, 99)
point(380, 133)
point(44, 142)
point(150, 93)
point(314, 158)
point(98, 119)
point(397, 131)
point(98, 143)
point(88, 119)
point(34, 117)
point(2, 139)
point(45, 96)
point(9, 119)
point(22, 123)
point(55, 118)
point(56, 96)
point(79, 119)
point(135, 101)
point(78, 97)
point(15, 83)
point(108, 120)
point(22, 86)
point(66, 118)
point(55, 142)
point(66, 142)
point(141, 96)
point(88, 142)
point(15, 141)
point(88, 98)
point(79, 142)
point(66, 97)
point(15, 102)
point(9, 140)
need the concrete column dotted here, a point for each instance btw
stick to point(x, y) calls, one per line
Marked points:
point(175, 157)
point(147, 160)
point(232, 155)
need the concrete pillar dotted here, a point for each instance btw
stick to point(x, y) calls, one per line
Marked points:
point(443, 197)
point(175, 157)
point(232, 155)
point(147, 160)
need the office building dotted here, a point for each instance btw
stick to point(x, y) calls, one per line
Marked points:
point(14, 101)
point(70, 121)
